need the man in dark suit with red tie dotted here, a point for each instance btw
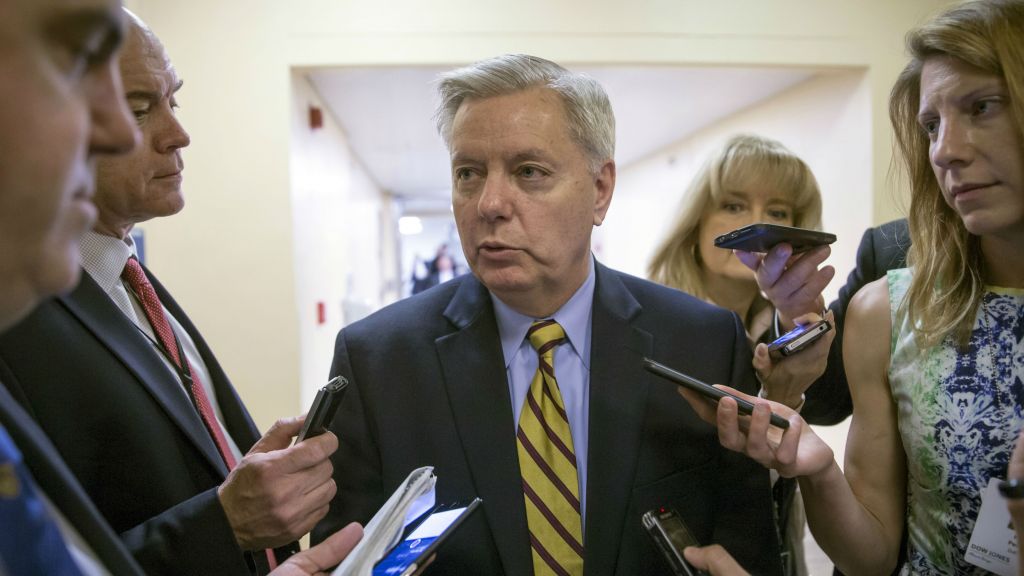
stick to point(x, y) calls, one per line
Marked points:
point(130, 394)
point(522, 383)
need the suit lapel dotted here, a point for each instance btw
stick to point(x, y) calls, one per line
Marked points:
point(59, 485)
point(474, 375)
point(618, 394)
point(236, 418)
point(94, 309)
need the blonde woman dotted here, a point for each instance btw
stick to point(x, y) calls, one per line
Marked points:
point(749, 179)
point(934, 353)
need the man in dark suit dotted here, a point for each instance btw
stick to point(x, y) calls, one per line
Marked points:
point(450, 377)
point(61, 110)
point(130, 394)
point(796, 290)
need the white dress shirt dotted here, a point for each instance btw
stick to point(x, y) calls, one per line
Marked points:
point(572, 366)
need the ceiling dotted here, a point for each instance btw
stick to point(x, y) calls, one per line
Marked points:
point(387, 113)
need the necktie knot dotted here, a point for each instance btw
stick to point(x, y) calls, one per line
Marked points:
point(133, 273)
point(544, 335)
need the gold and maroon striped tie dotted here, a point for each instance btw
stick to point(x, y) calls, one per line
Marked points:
point(547, 462)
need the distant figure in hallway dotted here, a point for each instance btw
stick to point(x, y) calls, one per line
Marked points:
point(438, 271)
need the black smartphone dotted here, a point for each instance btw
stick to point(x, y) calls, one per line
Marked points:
point(324, 407)
point(671, 535)
point(797, 339)
point(762, 237)
point(422, 538)
point(707, 390)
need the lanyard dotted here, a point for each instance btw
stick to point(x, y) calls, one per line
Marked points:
point(184, 376)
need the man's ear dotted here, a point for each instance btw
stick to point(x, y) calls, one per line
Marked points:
point(604, 185)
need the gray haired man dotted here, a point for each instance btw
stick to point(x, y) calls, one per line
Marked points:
point(522, 383)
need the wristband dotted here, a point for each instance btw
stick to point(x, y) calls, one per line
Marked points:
point(777, 324)
point(1012, 489)
point(763, 394)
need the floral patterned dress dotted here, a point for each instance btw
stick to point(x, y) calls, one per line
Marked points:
point(959, 417)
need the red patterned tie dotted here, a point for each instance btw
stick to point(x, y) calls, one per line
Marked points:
point(136, 278)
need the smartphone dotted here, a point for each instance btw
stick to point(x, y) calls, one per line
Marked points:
point(762, 237)
point(707, 390)
point(324, 407)
point(422, 538)
point(797, 339)
point(671, 535)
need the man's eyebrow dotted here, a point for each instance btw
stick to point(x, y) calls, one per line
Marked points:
point(531, 154)
point(460, 157)
point(141, 95)
point(151, 94)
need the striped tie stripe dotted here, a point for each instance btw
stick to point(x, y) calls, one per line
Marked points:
point(550, 516)
point(551, 476)
point(549, 561)
point(548, 465)
point(550, 433)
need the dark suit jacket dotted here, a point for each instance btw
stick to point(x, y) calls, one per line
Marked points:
point(881, 249)
point(428, 387)
point(57, 482)
point(125, 428)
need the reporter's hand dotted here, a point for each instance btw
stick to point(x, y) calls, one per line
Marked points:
point(278, 492)
point(793, 283)
point(1016, 465)
point(787, 379)
point(796, 451)
point(320, 559)
point(714, 560)
point(1015, 470)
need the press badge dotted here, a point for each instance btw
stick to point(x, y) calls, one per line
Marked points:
point(993, 543)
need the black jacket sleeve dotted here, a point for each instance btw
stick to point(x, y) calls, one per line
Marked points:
point(881, 249)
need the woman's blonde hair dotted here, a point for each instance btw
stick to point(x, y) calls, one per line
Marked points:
point(744, 159)
point(948, 282)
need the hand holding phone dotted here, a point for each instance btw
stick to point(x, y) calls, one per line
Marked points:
point(707, 390)
point(763, 237)
point(324, 407)
point(422, 538)
point(797, 339)
point(671, 535)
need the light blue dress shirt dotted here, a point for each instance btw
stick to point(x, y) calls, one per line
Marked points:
point(572, 366)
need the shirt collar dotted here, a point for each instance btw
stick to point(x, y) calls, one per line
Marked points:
point(104, 257)
point(573, 316)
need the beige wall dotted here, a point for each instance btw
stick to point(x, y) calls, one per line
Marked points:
point(230, 257)
point(336, 215)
